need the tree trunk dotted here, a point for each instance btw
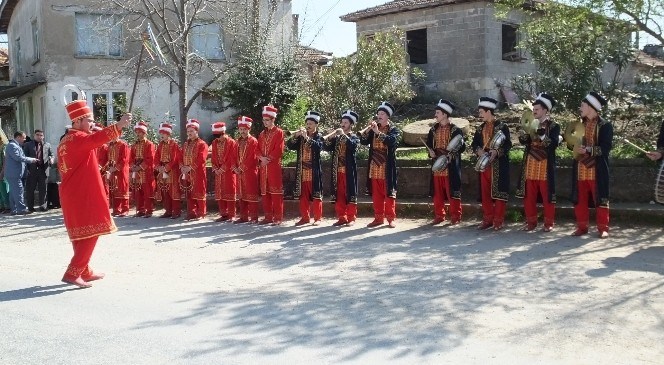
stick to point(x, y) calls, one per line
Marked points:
point(182, 103)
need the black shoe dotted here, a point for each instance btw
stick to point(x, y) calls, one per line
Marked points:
point(25, 212)
point(42, 209)
point(31, 210)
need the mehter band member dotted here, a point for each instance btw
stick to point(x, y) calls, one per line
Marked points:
point(193, 178)
point(590, 173)
point(270, 152)
point(167, 168)
point(84, 205)
point(538, 170)
point(141, 162)
point(382, 139)
point(247, 172)
point(495, 178)
point(308, 175)
point(343, 145)
point(224, 158)
point(446, 139)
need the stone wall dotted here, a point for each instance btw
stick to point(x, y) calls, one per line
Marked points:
point(463, 48)
point(413, 182)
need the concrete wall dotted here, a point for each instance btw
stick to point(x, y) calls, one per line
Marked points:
point(463, 41)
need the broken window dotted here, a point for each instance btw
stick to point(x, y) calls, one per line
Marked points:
point(98, 35)
point(417, 46)
point(206, 41)
point(511, 52)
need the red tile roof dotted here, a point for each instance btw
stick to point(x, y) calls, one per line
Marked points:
point(397, 6)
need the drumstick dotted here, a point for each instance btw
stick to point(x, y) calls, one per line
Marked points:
point(635, 146)
point(427, 146)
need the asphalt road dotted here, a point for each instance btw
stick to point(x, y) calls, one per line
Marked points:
point(210, 293)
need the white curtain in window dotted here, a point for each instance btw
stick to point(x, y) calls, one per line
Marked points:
point(206, 41)
point(98, 35)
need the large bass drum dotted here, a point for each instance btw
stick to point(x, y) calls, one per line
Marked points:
point(659, 185)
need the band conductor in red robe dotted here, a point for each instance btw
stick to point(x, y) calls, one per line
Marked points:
point(77, 161)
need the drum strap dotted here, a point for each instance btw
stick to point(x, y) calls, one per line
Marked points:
point(379, 157)
point(538, 153)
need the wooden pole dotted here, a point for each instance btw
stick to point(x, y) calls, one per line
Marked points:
point(138, 69)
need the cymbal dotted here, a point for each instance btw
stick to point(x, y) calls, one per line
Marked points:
point(528, 122)
point(573, 136)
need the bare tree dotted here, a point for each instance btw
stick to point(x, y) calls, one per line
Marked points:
point(232, 24)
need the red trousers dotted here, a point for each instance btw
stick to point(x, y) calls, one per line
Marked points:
point(78, 266)
point(587, 189)
point(533, 188)
point(441, 194)
point(120, 205)
point(384, 206)
point(248, 210)
point(171, 205)
point(273, 207)
point(143, 197)
point(196, 208)
point(493, 211)
point(226, 208)
point(345, 211)
point(317, 204)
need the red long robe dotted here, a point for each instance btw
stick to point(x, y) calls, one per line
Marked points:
point(168, 155)
point(271, 144)
point(247, 149)
point(194, 154)
point(224, 157)
point(142, 154)
point(102, 159)
point(82, 195)
point(118, 156)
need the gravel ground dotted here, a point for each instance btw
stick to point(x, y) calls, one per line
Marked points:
point(204, 292)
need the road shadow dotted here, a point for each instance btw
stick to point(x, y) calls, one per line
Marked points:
point(412, 292)
point(35, 292)
point(649, 259)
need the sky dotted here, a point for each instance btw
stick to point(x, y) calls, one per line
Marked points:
point(321, 28)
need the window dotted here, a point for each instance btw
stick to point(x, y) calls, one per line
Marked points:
point(29, 117)
point(417, 46)
point(35, 41)
point(212, 101)
point(17, 60)
point(107, 105)
point(206, 41)
point(26, 122)
point(98, 35)
point(510, 33)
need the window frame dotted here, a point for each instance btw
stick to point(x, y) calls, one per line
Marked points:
point(36, 41)
point(421, 59)
point(79, 53)
point(220, 37)
point(514, 54)
point(110, 106)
